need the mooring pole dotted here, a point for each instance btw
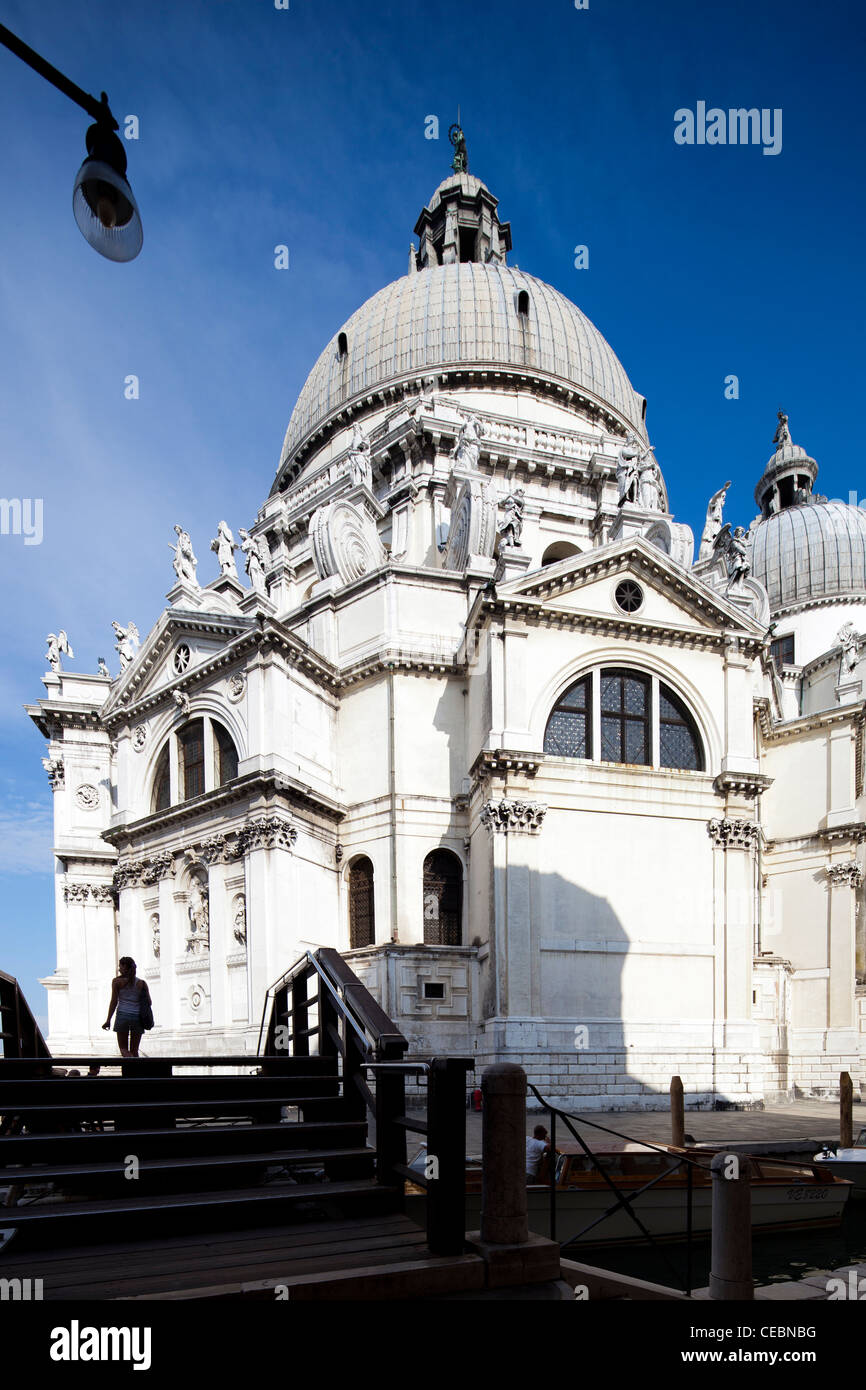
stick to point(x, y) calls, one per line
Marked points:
point(503, 1131)
point(731, 1258)
point(678, 1114)
point(846, 1111)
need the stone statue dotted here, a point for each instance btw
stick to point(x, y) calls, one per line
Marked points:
point(735, 549)
point(467, 450)
point(649, 484)
point(240, 922)
point(633, 474)
point(199, 917)
point(360, 459)
point(225, 546)
point(154, 934)
point(184, 561)
point(58, 644)
point(713, 523)
point(849, 640)
point(783, 434)
point(257, 555)
point(460, 162)
point(103, 669)
point(127, 642)
point(511, 528)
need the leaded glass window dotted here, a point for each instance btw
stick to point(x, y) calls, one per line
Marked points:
point(191, 750)
point(624, 717)
point(679, 745)
point(443, 899)
point(362, 925)
point(568, 729)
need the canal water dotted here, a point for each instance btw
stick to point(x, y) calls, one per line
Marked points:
point(775, 1258)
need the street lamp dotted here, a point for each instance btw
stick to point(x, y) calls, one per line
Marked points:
point(102, 201)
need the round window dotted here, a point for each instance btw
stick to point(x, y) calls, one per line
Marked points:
point(628, 596)
point(181, 658)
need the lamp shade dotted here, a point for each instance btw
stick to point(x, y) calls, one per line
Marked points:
point(106, 211)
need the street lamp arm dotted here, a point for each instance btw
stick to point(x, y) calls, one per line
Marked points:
point(98, 110)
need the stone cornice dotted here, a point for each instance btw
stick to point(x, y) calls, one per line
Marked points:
point(829, 601)
point(264, 831)
point(51, 717)
point(793, 728)
point(745, 784)
point(609, 625)
point(502, 762)
point(268, 783)
point(852, 831)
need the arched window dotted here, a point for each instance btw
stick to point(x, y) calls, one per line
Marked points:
point(206, 758)
point(443, 899)
point(560, 550)
point(523, 303)
point(362, 921)
point(619, 715)
point(679, 744)
point(162, 782)
point(225, 755)
point(625, 736)
point(191, 759)
point(342, 345)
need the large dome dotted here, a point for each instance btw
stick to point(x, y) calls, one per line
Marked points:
point(809, 552)
point(461, 316)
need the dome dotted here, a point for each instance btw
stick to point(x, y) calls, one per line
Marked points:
point(458, 316)
point(810, 552)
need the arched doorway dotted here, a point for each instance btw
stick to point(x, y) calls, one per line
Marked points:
point(443, 899)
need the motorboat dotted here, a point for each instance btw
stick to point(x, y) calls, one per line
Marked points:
point(785, 1195)
point(848, 1163)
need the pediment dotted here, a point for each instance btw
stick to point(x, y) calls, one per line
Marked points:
point(672, 597)
point(161, 661)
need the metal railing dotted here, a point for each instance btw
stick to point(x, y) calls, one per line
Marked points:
point(622, 1201)
point(20, 1034)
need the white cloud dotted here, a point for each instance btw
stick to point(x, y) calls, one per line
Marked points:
point(25, 841)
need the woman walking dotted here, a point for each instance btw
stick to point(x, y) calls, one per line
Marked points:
point(129, 996)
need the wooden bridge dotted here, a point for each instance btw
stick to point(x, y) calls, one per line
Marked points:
point(277, 1176)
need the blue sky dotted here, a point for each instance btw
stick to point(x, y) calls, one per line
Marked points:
point(306, 127)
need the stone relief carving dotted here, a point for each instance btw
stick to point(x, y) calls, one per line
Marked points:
point(56, 772)
point(266, 832)
point(849, 873)
point(505, 815)
point(88, 892)
point(473, 525)
point(239, 922)
point(58, 644)
point(181, 699)
point(128, 641)
point(237, 686)
point(135, 872)
point(139, 737)
point(345, 542)
point(733, 834)
point(184, 561)
point(154, 934)
point(87, 796)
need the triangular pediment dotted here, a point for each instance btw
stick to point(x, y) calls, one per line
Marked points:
point(161, 661)
point(672, 598)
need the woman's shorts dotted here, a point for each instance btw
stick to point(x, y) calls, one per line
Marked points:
point(128, 1023)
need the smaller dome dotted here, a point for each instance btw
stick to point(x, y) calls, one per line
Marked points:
point(810, 552)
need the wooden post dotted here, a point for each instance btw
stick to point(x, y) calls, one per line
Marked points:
point(446, 1156)
point(503, 1130)
point(846, 1112)
point(731, 1257)
point(678, 1114)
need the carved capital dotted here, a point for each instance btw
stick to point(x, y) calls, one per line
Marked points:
point(266, 832)
point(504, 815)
point(88, 892)
point(848, 874)
point(733, 834)
point(56, 772)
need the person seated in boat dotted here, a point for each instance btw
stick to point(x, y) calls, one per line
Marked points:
point(537, 1150)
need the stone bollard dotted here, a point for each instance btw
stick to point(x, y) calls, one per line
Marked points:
point(731, 1258)
point(846, 1111)
point(503, 1190)
point(678, 1114)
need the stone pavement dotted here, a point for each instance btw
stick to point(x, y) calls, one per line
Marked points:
point(813, 1120)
